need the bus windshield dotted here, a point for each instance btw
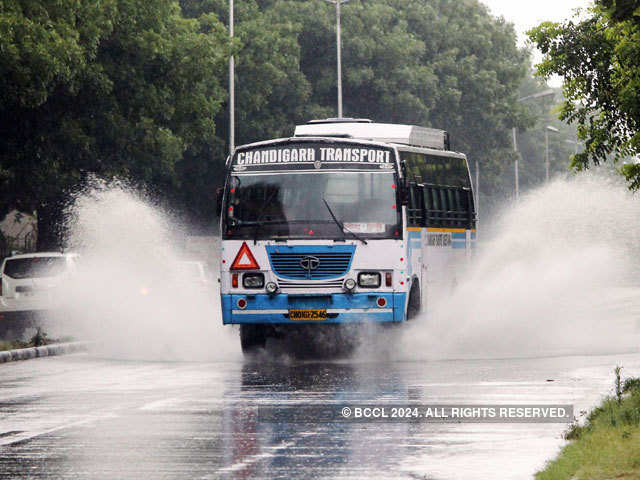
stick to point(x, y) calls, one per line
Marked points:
point(300, 205)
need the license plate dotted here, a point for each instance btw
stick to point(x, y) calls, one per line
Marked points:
point(308, 314)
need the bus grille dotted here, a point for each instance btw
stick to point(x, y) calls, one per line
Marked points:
point(328, 284)
point(334, 261)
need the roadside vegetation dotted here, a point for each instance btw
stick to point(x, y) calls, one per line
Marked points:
point(598, 56)
point(607, 445)
point(138, 90)
point(39, 339)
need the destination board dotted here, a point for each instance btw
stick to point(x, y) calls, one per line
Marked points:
point(313, 156)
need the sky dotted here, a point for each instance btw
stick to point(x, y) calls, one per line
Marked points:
point(527, 14)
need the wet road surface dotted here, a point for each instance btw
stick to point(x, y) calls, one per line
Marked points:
point(86, 417)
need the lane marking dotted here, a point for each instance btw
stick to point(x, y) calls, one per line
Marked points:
point(7, 442)
point(250, 460)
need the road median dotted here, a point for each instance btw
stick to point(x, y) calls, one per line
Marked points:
point(42, 351)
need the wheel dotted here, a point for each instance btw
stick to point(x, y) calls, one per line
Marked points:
point(413, 308)
point(252, 337)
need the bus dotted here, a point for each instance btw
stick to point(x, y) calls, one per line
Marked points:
point(348, 221)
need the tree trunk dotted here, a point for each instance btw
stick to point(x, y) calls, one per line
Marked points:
point(50, 226)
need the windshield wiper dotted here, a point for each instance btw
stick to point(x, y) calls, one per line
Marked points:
point(260, 215)
point(341, 225)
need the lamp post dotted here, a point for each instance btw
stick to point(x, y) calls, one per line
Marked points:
point(575, 144)
point(232, 90)
point(546, 149)
point(545, 93)
point(339, 52)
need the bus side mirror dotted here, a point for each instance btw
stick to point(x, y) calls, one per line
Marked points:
point(219, 193)
point(404, 193)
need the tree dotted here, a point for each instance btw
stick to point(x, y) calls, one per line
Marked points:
point(271, 91)
point(446, 64)
point(127, 88)
point(599, 59)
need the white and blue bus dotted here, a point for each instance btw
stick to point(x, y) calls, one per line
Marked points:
point(348, 221)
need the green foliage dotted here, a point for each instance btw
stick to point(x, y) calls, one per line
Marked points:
point(138, 89)
point(447, 64)
point(631, 384)
point(599, 58)
point(122, 88)
point(271, 91)
point(39, 339)
point(607, 445)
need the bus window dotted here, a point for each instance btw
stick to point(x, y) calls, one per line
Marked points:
point(460, 211)
point(436, 169)
point(444, 206)
point(452, 207)
point(415, 215)
point(436, 206)
point(428, 204)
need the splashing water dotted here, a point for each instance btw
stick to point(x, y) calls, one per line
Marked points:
point(560, 274)
point(130, 293)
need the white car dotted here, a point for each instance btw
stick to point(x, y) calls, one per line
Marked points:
point(29, 281)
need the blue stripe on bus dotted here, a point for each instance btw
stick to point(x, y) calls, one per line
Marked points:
point(260, 307)
point(458, 235)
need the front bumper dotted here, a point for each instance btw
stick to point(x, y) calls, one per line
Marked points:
point(341, 307)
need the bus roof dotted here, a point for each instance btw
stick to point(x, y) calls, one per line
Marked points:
point(381, 132)
point(348, 139)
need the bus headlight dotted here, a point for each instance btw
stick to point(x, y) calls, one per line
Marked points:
point(271, 288)
point(253, 280)
point(369, 279)
point(349, 284)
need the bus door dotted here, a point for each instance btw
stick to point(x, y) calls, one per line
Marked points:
point(415, 222)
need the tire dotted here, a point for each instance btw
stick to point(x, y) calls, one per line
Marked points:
point(252, 338)
point(413, 307)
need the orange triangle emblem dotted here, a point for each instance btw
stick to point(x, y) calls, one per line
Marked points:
point(244, 259)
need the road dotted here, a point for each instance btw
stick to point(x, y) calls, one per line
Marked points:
point(83, 416)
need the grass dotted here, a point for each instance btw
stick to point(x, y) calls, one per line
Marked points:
point(607, 446)
point(40, 338)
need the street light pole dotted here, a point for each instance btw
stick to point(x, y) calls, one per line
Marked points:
point(545, 93)
point(477, 190)
point(339, 52)
point(515, 163)
point(232, 90)
point(546, 149)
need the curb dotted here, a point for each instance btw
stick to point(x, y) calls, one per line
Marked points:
point(43, 351)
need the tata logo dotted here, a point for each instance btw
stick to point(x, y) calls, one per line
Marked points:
point(309, 263)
